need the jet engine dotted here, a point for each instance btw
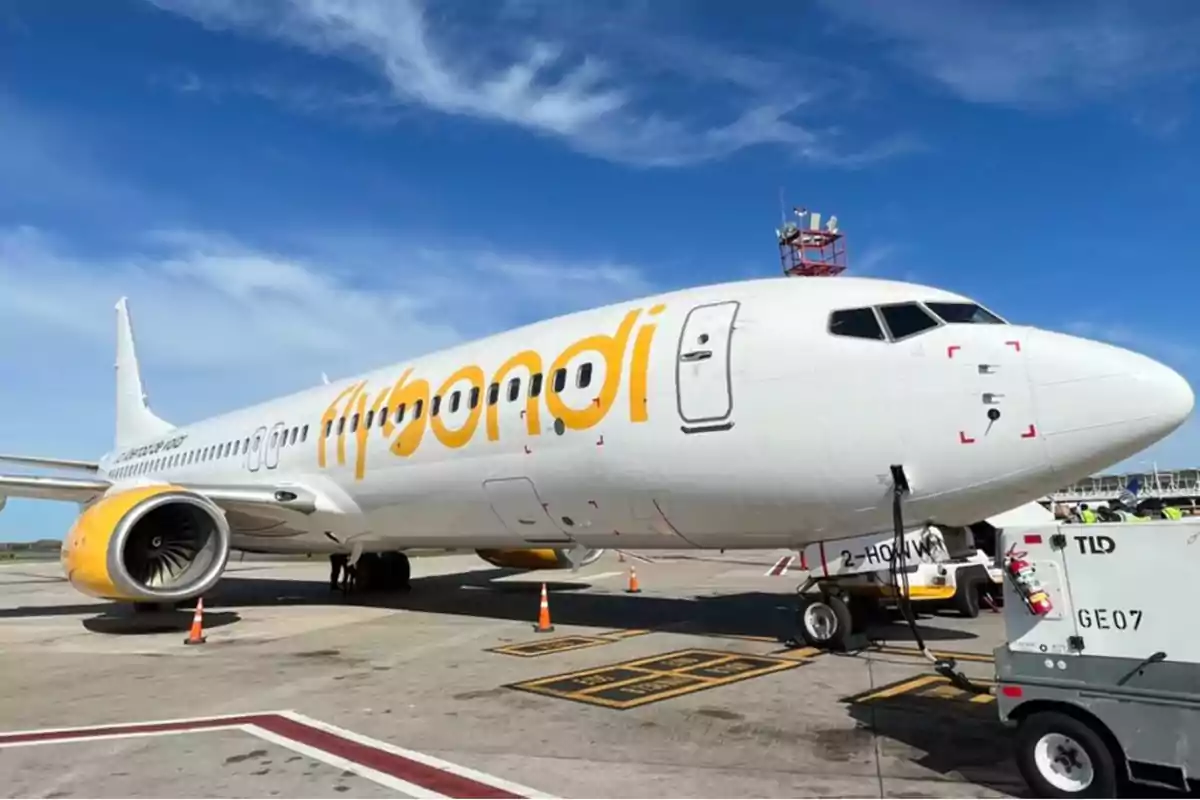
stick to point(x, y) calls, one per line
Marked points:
point(540, 558)
point(150, 544)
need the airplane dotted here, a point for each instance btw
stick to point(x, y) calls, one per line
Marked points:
point(767, 413)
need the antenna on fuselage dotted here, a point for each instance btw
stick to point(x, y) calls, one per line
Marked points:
point(806, 249)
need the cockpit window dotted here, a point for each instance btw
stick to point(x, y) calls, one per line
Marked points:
point(964, 314)
point(860, 323)
point(906, 319)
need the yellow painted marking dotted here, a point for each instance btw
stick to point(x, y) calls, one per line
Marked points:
point(900, 688)
point(944, 691)
point(798, 652)
point(983, 698)
point(626, 634)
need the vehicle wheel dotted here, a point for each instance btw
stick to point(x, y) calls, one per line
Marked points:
point(397, 569)
point(1061, 756)
point(824, 622)
point(862, 611)
point(966, 597)
point(372, 575)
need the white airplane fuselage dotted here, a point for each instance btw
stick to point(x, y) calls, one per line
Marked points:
point(724, 416)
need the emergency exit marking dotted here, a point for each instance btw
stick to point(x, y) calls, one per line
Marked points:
point(1106, 619)
point(1096, 545)
point(1014, 345)
point(950, 350)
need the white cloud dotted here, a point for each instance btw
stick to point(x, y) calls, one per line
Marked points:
point(545, 75)
point(1032, 54)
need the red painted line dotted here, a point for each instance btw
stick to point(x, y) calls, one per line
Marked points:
point(1029, 434)
point(950, 350)
point(780, 566)
point(1015, 345)
point(100, 731)
point(803, 562)
point(963, 438)
point(824, 565)
point(397, 766)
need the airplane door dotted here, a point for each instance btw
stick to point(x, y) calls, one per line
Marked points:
point(703, 377)
point(254, 456)
point(271, 446)
point(516, 503)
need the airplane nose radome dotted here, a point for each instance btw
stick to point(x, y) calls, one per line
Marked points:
point(1098, 404)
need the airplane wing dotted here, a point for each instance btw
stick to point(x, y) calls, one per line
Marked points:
point(246, 500)
point(61, 463)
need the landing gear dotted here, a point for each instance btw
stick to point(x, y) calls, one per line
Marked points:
point(825, 621)
point(384, 572)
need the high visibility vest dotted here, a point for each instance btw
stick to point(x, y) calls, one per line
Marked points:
point(1170, 512)
point(1088, 515)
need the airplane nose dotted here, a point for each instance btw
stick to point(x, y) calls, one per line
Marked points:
point(1098, 404)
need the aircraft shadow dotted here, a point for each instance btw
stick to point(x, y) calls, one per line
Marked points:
point(478, 594)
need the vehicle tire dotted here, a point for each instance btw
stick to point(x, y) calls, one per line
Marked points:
point(397, 569)
point(863, 610)
point(966, 595)
point(1059, 755)
point(824, 622)
point(372, 574)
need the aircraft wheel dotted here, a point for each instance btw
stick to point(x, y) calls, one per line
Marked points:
point(371, 573)
point(397, 571)
point(824, 622)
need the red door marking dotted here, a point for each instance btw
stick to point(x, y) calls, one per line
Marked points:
point(1015, 345)
point(1029, 434)
point(950, 350)
point(963, 438)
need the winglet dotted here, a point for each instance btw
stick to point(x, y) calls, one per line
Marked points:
point(135, 421)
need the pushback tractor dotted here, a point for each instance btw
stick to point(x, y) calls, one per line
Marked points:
point(1100, 671)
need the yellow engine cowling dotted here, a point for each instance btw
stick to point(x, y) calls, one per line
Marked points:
point(539, 558)
point(149, 544)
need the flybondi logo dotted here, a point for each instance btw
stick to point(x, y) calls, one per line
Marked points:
point(355, 412)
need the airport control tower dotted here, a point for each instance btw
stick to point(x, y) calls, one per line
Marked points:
point(807, 250)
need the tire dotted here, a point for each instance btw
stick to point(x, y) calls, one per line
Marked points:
point(1045, 738)
point(397, 570)
point(966, 596)
point(825, 622)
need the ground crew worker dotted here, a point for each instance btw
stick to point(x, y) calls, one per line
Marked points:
point(1086, 515)
point(1171, 512)
point(337, 563)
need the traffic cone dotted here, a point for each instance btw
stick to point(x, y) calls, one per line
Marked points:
point(543, 624)
point(196, 635)
point(633, 583)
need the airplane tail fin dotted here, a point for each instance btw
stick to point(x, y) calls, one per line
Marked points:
point(135, 421)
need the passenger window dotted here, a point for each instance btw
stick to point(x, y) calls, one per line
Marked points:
point(328, 428)
point(237, 448)
point(417, 408)
point(906, 319)
point(455, 399)
point(370, 418)
point(583, 375)
point(353, 425)
point(560, 379)
point(493, 394)
point(246, 443)
point(304, 433)
point(964, 314)
point(535, 385)
point(514, 389)
point(474, 396)
point(383, 415)
point(341, 425)
point(275, 436)
point(435, 406)
point(858, 323)
point(295, 433)
point(400, 413)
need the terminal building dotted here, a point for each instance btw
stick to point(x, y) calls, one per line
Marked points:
point(1180, 488)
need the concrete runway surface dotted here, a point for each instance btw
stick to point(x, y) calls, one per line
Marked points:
point(686, 689)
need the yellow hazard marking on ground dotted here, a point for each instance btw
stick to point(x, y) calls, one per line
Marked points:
point(930, 687)
point(798, 652)
point(656, 678)
point(562, 644)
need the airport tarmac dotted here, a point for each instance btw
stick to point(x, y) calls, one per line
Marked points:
point(685, 689)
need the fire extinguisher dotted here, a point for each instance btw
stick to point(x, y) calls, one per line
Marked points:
point(1024, 577)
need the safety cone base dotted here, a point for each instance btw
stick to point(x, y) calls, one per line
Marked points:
point(199, 640)
point(633, 590)
point(540, 629)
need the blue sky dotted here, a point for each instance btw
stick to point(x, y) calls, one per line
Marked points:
point(294, 186)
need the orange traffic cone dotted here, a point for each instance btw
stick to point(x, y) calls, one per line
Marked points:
point(633, 583)
point(196, 635)
point(543, 624)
